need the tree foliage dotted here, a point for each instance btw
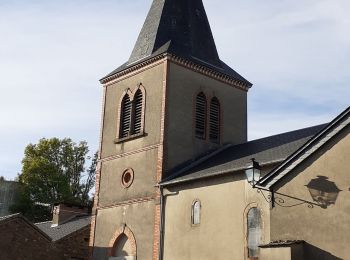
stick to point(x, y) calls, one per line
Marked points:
point(54, 170)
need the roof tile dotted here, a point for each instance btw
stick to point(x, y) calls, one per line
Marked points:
point(63, 230)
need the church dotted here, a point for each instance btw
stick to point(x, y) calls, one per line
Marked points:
point(177, 178)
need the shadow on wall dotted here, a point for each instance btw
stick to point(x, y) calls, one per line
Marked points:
point(310, 253)
point(314, 253)
point(101, 253)
point(323, 191)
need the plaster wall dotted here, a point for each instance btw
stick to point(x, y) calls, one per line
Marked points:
point(135, 205)
point(281, 253)
point(222, 232)
point(182, 87)
point(139, 217)
point(326, 230)
point(144, 165)
point(152, 80)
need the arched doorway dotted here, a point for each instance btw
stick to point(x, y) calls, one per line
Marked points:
point(122, 245)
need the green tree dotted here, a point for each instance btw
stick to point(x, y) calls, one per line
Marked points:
point(2, 178)
point(54, 170)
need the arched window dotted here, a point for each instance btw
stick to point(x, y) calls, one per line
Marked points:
point(201, 118)
point(214, 120)
point(254, 232)
point(138, 107)
point(131, 114)
point(196, 213)
point(125, 117)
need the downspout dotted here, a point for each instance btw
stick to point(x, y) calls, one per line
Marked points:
point(161, 228)
point(162, 217)
point(272, 198)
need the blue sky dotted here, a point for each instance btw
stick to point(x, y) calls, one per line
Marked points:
point(52, 53)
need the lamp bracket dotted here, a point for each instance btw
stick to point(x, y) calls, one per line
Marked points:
point(278, 200)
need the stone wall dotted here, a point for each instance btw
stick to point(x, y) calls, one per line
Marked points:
point(22, 240)
point(76, 246)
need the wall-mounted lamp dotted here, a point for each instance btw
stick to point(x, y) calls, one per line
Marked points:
point(253, 172)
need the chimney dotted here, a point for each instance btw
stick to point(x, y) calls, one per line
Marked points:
point(65, 212)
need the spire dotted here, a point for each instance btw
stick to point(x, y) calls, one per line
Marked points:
point(178, 27)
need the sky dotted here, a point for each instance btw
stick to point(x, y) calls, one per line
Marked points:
point(52, 54)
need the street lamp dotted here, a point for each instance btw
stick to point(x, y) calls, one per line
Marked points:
point(253, 172)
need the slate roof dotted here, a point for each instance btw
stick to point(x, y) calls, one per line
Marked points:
point(9, 216)
point(272, 149)
point(65, 229)
point(20, 216)
point(307, 149)
point(180, 28)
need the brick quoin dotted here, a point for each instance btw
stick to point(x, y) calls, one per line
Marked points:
point(160, 165)
point(114, 240)
point(98, 176)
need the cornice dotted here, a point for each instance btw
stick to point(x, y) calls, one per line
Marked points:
point(212, 73)
point(209, 72)
point(137, 66)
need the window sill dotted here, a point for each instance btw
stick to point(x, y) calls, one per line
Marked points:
point(129, 138)
point(215, 141)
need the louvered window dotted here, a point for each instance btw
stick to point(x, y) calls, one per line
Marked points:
point(214, 121)
point(125, 117)
point(137, 112)
point(201, 110)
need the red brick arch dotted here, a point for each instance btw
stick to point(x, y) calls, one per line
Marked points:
point(114, 240)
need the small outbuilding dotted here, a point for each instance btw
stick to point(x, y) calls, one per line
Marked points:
point(21, 239)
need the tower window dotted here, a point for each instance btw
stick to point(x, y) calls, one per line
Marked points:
point(196, 213)
point(201, 110)
point(214, 121)
point(137, 112)
point(132, 110)
point(125, 117)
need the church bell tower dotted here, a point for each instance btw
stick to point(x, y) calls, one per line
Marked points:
point(172, 102)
